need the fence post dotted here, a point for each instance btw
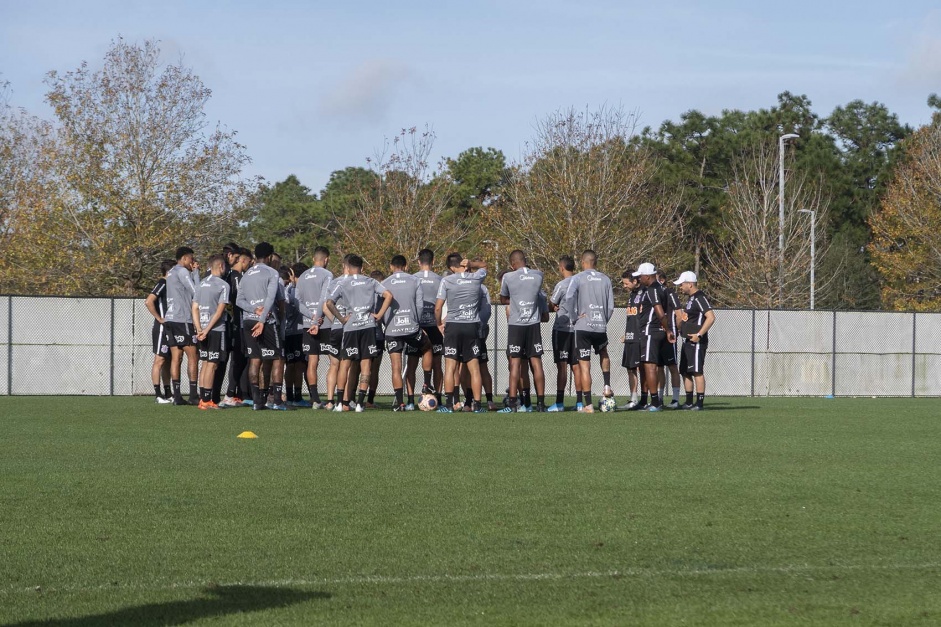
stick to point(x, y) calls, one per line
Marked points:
point(495, 316)
point(9, 346)
point(111, 363)
point(753, 314)
point(833, 358)
point(914, 318)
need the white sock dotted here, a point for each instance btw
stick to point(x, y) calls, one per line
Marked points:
point(676, 394)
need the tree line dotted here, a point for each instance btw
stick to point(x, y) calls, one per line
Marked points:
point(129, 168)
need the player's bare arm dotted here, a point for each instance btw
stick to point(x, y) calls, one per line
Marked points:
point(664, 322)
point(386, 303)
point(710, 320)
point(151, 304)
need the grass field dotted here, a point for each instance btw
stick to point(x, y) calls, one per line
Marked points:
point(755, 512)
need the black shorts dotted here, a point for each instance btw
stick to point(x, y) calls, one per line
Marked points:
point(408, 344)
point(294, 348)
point(437, 341)
point(651, 349)
point(159, 340)
point(668, 352)
point(266, 346)
point(563, 347)
point(214, 348)
point(586, 341)
point(460, 341)
point(693, 357)
point(358, 345)
point(631, 357)
point(524, 341)
point(310, 344)
point(179, 334)
point(331, 340)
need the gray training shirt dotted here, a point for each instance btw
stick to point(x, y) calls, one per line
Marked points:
point(312, 291)
point(358, 295)
point(212, 292)
point(180, 292)
point(590, 299)
point(523, 287)
point(430, 281)
point(402, 317)
point(258, 288)
point(462, 293)
point(563, 321)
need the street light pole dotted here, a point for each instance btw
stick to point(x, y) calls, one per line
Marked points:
point(813, 250)
point(781, 140)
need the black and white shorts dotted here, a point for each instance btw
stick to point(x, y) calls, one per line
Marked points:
point(668, 352)
point(408, 344)
point(331, 340)
point(294, 348)
point(310, 344)
point(693, 357)
point(359, 345)
point(214, 348)
point(460, 341)
point(437, 341)
point(651, 349)
point(524, 341)
point(586, 341)
point(159, 340)
point(179, 334)
point(563, 347)
point(266, 346)
point(631, 357)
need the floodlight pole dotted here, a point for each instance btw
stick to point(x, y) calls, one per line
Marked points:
point(813, 250)
point(781, 140)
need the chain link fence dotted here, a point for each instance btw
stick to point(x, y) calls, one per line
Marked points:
point(102, 346)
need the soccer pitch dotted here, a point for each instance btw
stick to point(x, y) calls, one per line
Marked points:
point(754, 512)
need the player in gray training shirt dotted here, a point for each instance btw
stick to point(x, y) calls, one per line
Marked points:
point(311, 292)
point(258, 293)
point(211, 321)
point(521, 289)
point(589, 299)
point(462, 294)
point(358, 294)
point(403, 330)
point(430, 281)
point(179, 324)
point(563, 338)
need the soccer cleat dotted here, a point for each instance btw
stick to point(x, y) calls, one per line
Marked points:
point(696, 408)
point(410, 407)
point(207, 405)
point(540, 408)
point(491, 406)
point(654, 408)
point(608, 391)
point(556, 407)
point(160, 400)
point(525, 409)
point(248, 402)
point(506, 410)
point(358, 408)
point(468, 407)
point(259, 407)
point(579, 406)
point(303, 403)
point(178, 400)
point(370, 406)
point(627, 406)
point(194, 400)
point(674, 405)
point(443, 409)
point(279, 407)
point(399, 407)
point(686, 407)
point(230, 401)
point(588, 409)
point(428, 389)
point(480, 410)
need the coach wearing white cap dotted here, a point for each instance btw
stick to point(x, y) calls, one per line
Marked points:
point(655, 330)
point(697, 318)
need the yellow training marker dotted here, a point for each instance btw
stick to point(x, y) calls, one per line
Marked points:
point(247, 435)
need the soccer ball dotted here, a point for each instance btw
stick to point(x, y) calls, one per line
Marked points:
point(607, 403)
point(428, 402)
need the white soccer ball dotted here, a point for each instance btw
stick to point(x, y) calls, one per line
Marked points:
point(607, 403)
point(428, 402)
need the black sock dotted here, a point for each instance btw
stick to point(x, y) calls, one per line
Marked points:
point(398, 396)
point(339, 397)
point(468, 395)
point(643, 399)
point(560, 397)
point(194, 390)
point(277, 388)
point(371, 397)
point(455, 397)
point(511, 402)
point(489, 397)
point(205, 394)
point(157, 392)
point(525, 398)
point(607, 377)
point(289, 393)
point(588, 398)
point(314, 395)
point(689, 398)
point(540, 400)
point(166, 391)
point(699, 398)
point(655, 399)
point(259, 396)
point(579, 396)
point(360, 396)
point(428, 374)
point(176, 388)
point(411, 399)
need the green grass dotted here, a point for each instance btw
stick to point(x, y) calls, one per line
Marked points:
point(756, 512)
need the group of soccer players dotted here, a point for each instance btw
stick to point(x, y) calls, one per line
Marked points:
point(268, 325)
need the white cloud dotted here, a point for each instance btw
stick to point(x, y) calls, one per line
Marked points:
point(366, 94)
point(923, 66)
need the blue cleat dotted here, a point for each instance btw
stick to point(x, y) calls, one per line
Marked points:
point(248, 403)
point(653, 408)
point(444, 410)
point(281, 407)
point(579, 406)
point(556, 407)
point(303, 403)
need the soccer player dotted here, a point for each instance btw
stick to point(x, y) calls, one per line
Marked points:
point(563, 338)
point(671, 304)
point(403, 330)
point(655, 329)
point(520, 289)
point(230, 255)
point(156, 304)
point(211, 322)
point(179, 324)
point(238, 379)
point(295, 362)
point(461, 292)
point(358, 294)
point(698, 317)
point(589, 300)
point(258, 293)
point(312, 288)
point(631, 339)
point(486, 380)
point(431, 362)
point(380, 276)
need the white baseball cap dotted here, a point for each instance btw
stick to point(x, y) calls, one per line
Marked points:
point(645, 269)
point(686, 277)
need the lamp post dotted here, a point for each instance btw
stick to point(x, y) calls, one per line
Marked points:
point(781, 141)
point(813, 250)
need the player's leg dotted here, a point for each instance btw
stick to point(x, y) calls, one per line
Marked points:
point(486, 383)
point(473, 367)
point(376, 363)
point(512, 396)
point(398, 382)
point(606, 370)
point(450, 368)
point(539, 382)
point(192, 372)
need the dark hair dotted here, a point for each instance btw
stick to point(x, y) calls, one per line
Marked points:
point(285, 273)
point(246, 252)
point(590, 256)
point(354, 261)
point(166, 265)
point(183, 251)
point(220, 259)
point(299, 268)
point(263, 250)
point(627, 274)
point(661, 275)
point(230, 248)
point(379, 275)
point(426, 256)
point(398, 261)
point(567, 263)
point(454, 260)
point(517, 256)
point(501, 274)
point(321, 252)
point(346, 258)
point(274, 254)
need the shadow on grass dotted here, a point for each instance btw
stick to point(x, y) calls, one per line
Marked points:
point(219, 601)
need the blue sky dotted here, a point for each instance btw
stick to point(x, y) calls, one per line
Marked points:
point(313, 87)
